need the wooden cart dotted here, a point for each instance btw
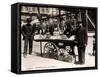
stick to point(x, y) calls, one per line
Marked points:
point(53, 47)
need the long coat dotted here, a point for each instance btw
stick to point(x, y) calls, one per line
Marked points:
point(81, 36)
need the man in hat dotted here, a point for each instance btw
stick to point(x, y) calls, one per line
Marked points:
point(28, 35)
point(81, 38)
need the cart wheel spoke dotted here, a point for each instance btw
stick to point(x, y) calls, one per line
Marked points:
point(50, 50)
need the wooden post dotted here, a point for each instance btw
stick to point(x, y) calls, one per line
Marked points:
point(86, 20)
point(41, 48)
point(59, 21)
point(39, 15)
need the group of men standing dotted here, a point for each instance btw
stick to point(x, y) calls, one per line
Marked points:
point(28, 32)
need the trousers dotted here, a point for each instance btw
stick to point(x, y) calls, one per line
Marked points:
point(28, 42)
point(81, 54)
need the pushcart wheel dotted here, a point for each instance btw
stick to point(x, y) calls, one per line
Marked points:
point(50, 50)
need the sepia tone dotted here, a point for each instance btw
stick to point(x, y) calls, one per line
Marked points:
point(53, 46)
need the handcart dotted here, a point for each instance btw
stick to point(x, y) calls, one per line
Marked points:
point(55, 47)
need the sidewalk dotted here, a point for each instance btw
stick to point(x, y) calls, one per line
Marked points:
point(33, 62)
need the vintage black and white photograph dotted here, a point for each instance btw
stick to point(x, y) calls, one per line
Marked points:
point(57, 37)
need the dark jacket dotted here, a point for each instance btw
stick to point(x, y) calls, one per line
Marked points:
point(81, 36)
point(68, 29)
point(27, 31)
